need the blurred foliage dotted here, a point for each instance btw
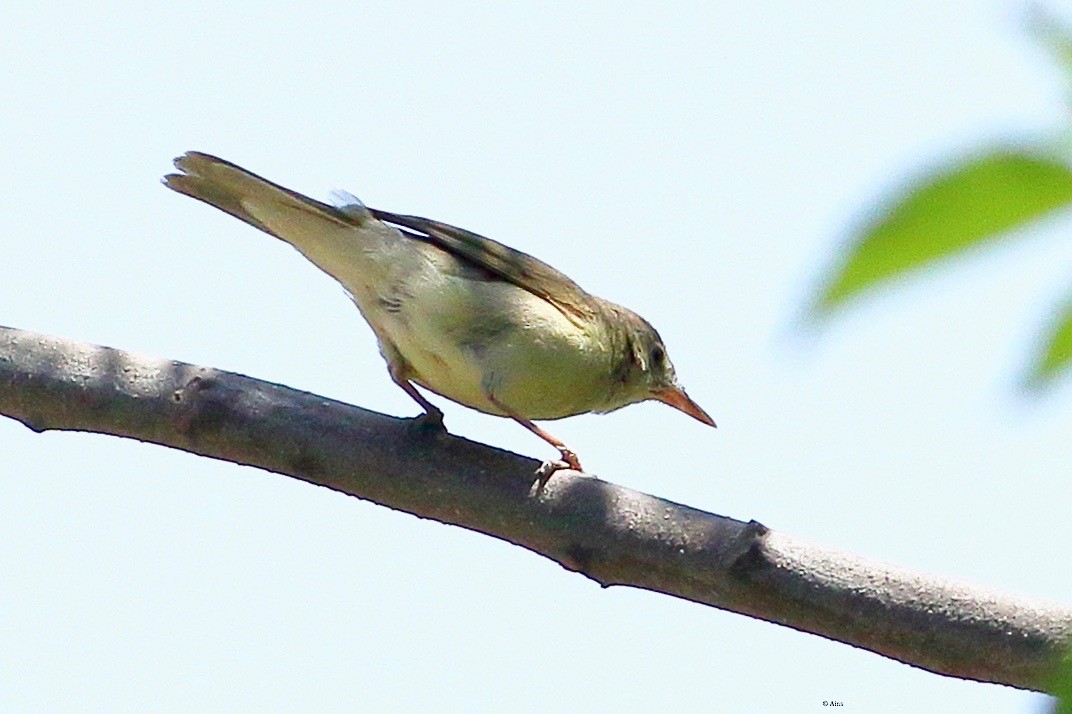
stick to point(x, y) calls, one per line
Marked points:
point(1056, 354)
point(974, 202)
point(1053, 36)
point(1062, 687)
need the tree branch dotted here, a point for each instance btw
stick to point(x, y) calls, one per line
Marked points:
point(613, 535)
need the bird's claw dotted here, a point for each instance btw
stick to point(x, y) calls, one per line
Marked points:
point(569, 461)
point(547, 468)
point(570, 458)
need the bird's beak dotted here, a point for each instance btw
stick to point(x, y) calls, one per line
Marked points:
point(675, 396)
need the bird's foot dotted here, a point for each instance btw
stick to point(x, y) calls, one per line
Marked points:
point(569, 461)
point(430, 421)
point(570, 458)
point(547, 468)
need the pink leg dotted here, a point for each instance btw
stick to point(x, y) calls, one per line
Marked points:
point(569, 456)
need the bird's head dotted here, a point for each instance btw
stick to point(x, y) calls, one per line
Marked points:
point(646, 370)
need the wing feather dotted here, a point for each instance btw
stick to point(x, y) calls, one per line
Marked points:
point(509, 264)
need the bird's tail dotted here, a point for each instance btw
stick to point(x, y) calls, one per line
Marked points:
point(347, 242)
point(248, 197)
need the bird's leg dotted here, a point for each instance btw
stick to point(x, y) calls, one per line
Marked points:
point(569, 456)
point(433, 415)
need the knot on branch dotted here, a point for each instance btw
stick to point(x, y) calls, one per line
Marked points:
point(201, 406)
point(745, 554)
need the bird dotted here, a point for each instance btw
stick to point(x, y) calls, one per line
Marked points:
point(458, 314)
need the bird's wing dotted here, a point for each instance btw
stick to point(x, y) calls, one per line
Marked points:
point(504, 262)
point(229, 187)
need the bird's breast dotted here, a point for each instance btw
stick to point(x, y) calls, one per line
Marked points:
point(477, 340)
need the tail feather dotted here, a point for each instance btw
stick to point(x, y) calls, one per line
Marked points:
point(238, 192)
point(347, 242)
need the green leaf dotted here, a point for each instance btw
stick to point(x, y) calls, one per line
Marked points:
point(971, 202)
point(1056, 354)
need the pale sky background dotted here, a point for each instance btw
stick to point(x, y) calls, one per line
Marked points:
point(698, 163)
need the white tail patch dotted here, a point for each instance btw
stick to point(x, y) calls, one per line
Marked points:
point(348, 202)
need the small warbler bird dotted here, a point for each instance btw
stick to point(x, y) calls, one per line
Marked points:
point(461, 315)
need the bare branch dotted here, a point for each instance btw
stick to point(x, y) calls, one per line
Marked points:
point(610, 534)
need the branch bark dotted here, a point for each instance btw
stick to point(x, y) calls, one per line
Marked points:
point(613, 535)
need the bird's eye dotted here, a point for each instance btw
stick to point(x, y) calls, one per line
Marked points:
point(658, 354)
